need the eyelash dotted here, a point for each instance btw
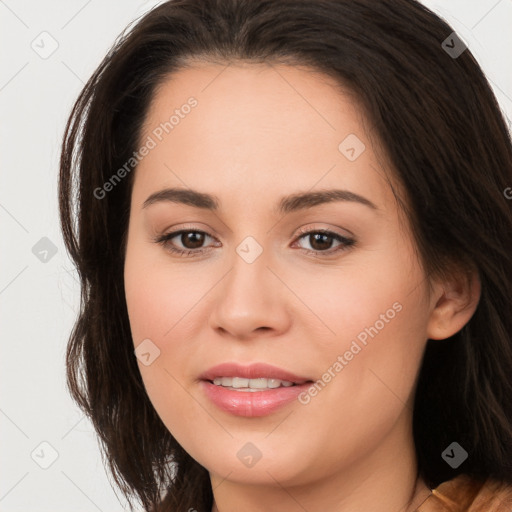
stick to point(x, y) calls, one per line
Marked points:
point(346, 243)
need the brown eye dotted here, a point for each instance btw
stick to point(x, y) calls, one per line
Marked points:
point(192, 239)
point(321, 241)
point(184, 242)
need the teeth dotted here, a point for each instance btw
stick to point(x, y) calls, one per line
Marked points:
point(250, 384)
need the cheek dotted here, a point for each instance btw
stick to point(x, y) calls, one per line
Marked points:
point(367, 340)
point(373, 300)
point(157, 303)
point(160, 296)
point(164, 307)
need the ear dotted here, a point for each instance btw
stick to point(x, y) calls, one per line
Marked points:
point(454, 300)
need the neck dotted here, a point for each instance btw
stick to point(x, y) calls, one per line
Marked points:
point(290, 500)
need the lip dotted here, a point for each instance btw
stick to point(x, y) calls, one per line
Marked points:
point(252, 403)
point(252, 371)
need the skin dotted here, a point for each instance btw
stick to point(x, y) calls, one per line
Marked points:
point(260, 132)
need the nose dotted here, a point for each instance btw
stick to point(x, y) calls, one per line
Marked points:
point(251, 301)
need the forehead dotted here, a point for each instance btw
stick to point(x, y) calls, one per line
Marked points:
point(257, 127)
point(244, 97)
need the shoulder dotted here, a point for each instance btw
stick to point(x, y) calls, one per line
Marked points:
point(467, 494)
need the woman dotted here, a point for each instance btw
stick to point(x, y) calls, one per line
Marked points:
point(292, 230)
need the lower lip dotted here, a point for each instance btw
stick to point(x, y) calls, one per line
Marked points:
point(252, 403)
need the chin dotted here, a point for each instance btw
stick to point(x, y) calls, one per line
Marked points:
point(258, 463)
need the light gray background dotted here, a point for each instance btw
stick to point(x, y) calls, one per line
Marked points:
point(39, 300)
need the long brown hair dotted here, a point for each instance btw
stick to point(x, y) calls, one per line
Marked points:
point(450, 149)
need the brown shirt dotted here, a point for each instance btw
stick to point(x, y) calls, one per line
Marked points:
point(464, 494)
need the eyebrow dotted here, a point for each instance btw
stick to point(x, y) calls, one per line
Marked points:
point(287, 204)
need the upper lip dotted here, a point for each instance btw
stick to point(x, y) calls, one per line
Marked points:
point(252, 371)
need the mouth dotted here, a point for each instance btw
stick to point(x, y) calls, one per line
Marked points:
point(251, 391)
point(251, 385)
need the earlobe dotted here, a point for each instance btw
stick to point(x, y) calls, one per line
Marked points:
point(454, 302)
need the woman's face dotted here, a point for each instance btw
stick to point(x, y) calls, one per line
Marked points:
point(347, 309)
